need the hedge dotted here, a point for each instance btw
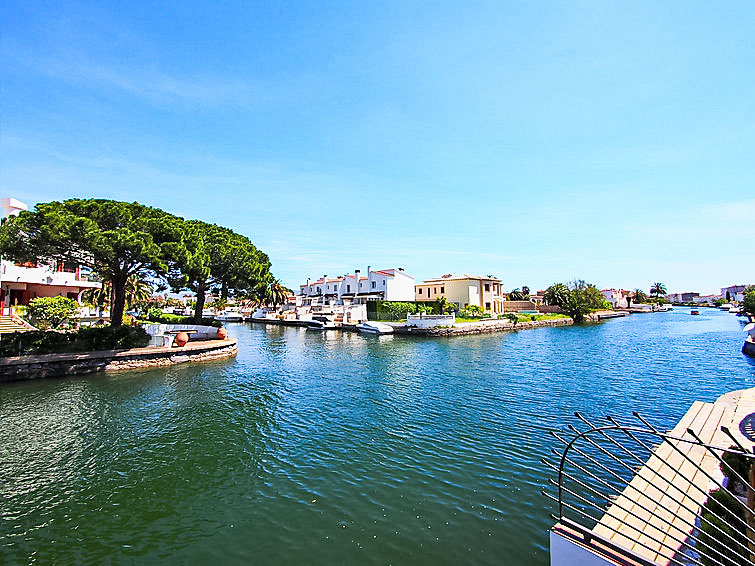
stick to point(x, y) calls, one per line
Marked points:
point(167, 318)
point(83, 340)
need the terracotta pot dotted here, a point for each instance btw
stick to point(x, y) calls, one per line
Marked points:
point(181, 339)
point(222, 333)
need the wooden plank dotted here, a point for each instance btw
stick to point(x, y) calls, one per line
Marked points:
point(616, 516)
point(655, 531)
point(689, 488)
point(636, 514)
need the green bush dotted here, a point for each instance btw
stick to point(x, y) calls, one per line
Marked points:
point(166, 318)
point(83, 340)
point(748, 305)
point(51, 312)
point(720, 510)
point(737, 462)
point(395, 310)
point(472, 311)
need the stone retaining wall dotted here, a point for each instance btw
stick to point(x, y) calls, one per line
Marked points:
point(21, 368)
point(466, 328)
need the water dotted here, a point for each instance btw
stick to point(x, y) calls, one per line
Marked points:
point(330, 448)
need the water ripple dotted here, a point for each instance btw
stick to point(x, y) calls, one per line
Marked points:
point(335, 448)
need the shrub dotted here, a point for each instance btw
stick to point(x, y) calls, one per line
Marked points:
point(83, 340)
point(741, 466)
point(472, 311)
point(720, 510)
point(748, 305)
point(167, 318)
point(51, 312)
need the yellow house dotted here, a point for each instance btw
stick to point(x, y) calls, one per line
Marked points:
point(463, 290)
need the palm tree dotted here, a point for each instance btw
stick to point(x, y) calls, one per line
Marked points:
point(658, 289)
point(138, 290)
point(441, 303)
point(526, 291)
point(516, 295)
point(557, 295)
point(639, 296)
point(277, 293)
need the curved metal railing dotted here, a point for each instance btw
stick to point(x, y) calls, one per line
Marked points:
point(638, 492)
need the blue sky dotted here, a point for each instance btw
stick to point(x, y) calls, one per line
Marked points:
point(538, 142)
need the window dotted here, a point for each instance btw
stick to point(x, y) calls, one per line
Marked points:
point(348, 288)
point(442, 289)
point(420, 290)
point(487, 286)
point(435, 290)
point(383, 282)
point(373, 284)
point(66, 266)
point(487, 306)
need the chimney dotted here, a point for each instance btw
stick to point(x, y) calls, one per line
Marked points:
point(356, 278)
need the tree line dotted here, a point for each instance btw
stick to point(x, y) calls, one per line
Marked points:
point(119, 241)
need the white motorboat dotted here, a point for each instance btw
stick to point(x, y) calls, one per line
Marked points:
point(320, 322)
point(726, 306)
point(230, 315)
point(735, 310)
point(370, 327)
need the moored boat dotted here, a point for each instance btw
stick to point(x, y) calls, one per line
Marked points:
point(321, 322)
point(694, 311)
point(230, 315)
point(371, 327)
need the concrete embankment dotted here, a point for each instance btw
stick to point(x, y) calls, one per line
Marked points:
point(21, 368)
point(481, 327)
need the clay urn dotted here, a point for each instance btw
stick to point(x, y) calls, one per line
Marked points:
point(222, 333)
point(181, 339)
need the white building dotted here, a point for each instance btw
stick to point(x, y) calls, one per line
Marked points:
point(617, 297)
point(705, 299)
point(22, 282)
point(734, 293)
point(383, 284)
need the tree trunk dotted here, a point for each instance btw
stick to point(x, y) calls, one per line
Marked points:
point(199, 307)
point(224, 291)
point(119, 301)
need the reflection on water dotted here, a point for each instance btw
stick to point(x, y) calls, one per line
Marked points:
point(331, 447)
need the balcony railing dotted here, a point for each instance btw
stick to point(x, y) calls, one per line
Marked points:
point(634, 494)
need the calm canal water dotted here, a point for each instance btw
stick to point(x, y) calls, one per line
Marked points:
point(336, 448)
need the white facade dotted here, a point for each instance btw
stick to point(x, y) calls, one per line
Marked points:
point(736, 292)
point(705, 299)
point(430, 320)
point(19, 283)
point(384, 284)
point(617, 297)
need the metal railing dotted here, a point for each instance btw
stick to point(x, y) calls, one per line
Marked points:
point(636, 492)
